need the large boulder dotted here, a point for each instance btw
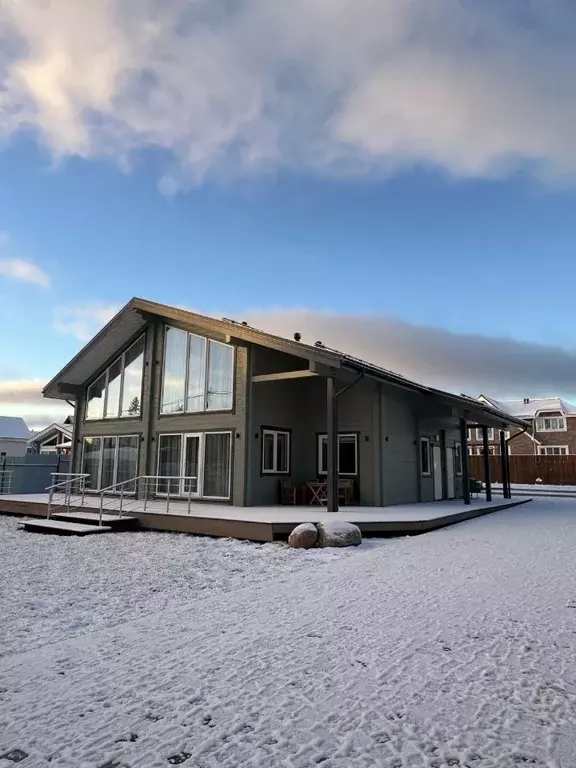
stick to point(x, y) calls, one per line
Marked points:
point(303, 536)
point(336, 534)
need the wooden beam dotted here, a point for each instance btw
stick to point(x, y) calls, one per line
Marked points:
point(332, 444)
point(464, 456)
point(284, 375)
point(486, 463)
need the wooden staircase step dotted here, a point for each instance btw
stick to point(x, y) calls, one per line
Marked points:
point(62, 527)
point(93, 518)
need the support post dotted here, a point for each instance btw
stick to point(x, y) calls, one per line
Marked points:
point(504, 464)
point(465, 469)
point(332, 445)
point(487, 480)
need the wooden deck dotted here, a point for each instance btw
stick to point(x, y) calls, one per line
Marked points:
point(271, 523)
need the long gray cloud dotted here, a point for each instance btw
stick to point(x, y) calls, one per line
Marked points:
point(336, 86)
point(467, 363)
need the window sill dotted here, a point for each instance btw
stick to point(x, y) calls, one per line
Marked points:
point(274, 473)
point(230, 411)
point(111, 421)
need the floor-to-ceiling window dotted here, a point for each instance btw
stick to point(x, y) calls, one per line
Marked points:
point(117, 393)
point(110, 460)
point(198, 374)
point(195, 464)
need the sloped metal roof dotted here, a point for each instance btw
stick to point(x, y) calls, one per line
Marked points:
point(13, 428)
point(132, 319)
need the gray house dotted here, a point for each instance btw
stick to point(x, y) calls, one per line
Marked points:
point(14, 435)
point(56, 438)
point(221, 411)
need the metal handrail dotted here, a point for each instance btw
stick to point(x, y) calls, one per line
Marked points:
point(65, 486)
point(141, 492)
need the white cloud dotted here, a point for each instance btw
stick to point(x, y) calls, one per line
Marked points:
point(338, 86)
point(83, 321)
point(4, 238)
point(457, 362)
point(23, 397)
point(24, 271)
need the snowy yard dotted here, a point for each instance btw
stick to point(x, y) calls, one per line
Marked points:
point(139, 650)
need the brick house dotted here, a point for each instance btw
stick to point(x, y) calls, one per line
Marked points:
point(552, 429)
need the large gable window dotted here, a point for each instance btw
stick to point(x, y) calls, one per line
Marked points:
point(117, 393)
point(198, 374)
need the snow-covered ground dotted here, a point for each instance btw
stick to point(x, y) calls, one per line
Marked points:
point(455, 648)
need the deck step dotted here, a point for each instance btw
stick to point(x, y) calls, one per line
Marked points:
point(63, 528)
point(93, 518)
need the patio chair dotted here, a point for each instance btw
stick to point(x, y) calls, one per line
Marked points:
point(288, 492)
point(345, 492)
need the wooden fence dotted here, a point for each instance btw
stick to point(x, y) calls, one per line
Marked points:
point(552, 470)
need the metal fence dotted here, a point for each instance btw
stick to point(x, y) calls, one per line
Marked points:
point(524, 470)
point(30, 474)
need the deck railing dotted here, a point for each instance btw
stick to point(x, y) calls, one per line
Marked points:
point(134, 495)
point(61, 493)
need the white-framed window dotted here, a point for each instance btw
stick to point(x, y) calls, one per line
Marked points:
point(551, 424)
point(347, 454)
point(275, 451)
point(197, 374)
point(117, 393)
point(471, 433)
point(553, 450)
point(458, 459)
point(196, 464)
point(425, 466)
point(110, 459)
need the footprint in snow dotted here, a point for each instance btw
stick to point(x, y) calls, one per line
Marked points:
point(14, 756)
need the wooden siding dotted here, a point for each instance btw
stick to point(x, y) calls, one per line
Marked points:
point(400, 464)
point(299, 405)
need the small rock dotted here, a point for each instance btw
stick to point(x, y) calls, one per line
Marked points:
point(335, 534)
point(303, 536)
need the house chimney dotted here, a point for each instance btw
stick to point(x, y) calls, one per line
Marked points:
point(526, 400)
point(297, 336)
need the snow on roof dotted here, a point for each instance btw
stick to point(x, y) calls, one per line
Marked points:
point(13, 428)
point(525, 410)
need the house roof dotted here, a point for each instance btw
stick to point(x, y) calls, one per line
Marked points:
point(44, 434)
point(533, 407)
point(132, 319)
point(13, 428)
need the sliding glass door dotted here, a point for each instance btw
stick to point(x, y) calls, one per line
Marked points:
point(195, 464)
point(110, 460)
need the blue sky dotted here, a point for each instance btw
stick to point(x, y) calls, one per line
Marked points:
point(357, 195)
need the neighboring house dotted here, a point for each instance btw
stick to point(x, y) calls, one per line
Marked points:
point(14, 436)
point(231, 411)
point(552, 427)
point(57, 438)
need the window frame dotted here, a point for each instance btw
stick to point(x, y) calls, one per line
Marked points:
point(542, 450)
point(320, 437)
point(137, 435)
point(206, 362)
point(541, 421)
point(201, 462)
point(423, 472)
point(106, 374)
point(275, 431)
